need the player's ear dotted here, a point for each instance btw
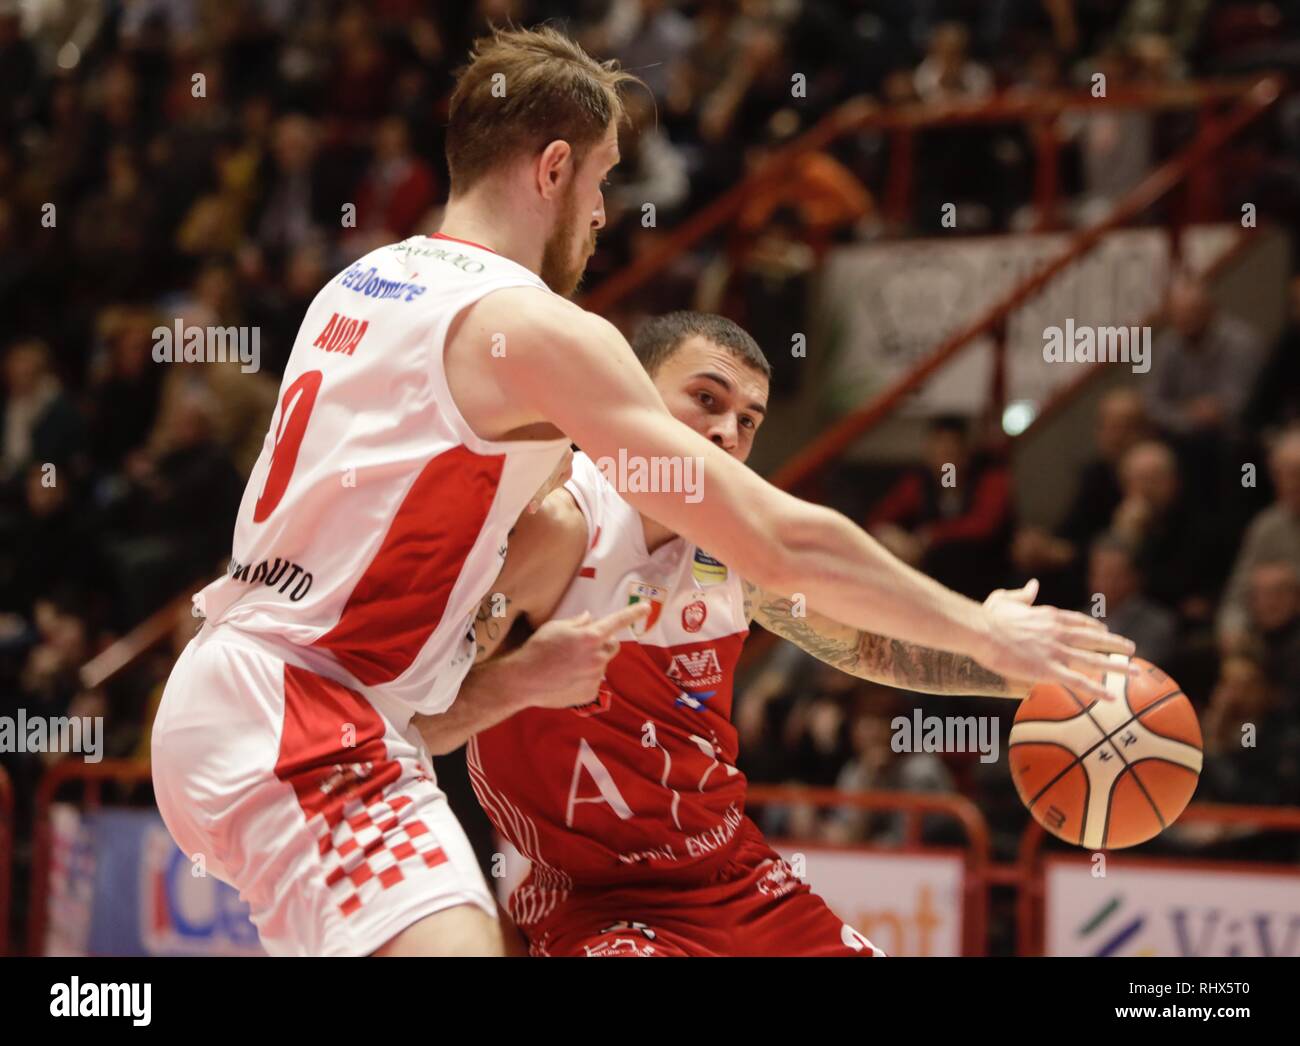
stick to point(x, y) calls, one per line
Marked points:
point(553, 169)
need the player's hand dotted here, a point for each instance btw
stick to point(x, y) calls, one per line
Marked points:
point(1046, 645)
point(567, 658)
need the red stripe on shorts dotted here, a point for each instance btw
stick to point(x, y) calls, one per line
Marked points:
point(333, 753)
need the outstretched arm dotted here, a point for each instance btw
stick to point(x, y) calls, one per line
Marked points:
point(576, 371)
point(880, 659)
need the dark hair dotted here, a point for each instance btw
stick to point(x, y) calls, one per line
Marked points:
point(659, 337)
point(549, 89)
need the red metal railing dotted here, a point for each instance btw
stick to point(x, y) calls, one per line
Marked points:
point(902, 124)
point(1030, 874)
point(92, 777)
point(1025, 875)
point(913, 807)
point(831, 444)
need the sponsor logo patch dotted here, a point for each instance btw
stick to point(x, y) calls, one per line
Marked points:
point(707, 570)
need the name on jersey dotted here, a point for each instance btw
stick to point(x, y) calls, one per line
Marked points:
point(342, 334)
point(443, 254)
point(273, 574)
point(716, 837)
point(706, 842)
point(365, 281)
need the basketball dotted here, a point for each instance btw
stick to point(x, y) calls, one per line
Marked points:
point(1106, 775)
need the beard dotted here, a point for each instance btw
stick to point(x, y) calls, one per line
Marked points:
point(560, 271)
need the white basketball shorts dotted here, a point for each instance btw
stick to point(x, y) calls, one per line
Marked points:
point(299, 793)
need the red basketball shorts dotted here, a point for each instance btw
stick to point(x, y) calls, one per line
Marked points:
point(752, 905)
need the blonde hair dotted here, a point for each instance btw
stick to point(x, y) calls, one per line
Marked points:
point(522, 90)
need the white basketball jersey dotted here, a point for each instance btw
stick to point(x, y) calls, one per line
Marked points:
point(375, 520)
point(694, 599)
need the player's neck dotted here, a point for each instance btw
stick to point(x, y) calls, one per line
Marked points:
point(475, 219)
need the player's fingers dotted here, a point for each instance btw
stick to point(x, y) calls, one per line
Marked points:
point(1103, 642)
point(621, 619)
point(1078, 620)
point(1083, 687)
point(1089, 661)
point(1026, 593)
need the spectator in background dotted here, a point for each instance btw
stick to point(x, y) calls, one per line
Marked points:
point(397, 188)
point(651, 168)
point(1252, 738)
point(245, 399)
point(124, 385)
point(1113, 574)
point(952, 516)
point(1178, 548)
point(295, 207)
point(1056, 559)
point(959, 159)
point(649, 37)
point(37, 421)
point(947, 72)
point(174, 523)
point(875, 767)
point(1273, 536)
point(114, 231)
point(1117, 146)
point(51, 544)
point(1274, 602)
point(1178, 21)
point(1203, 365)
point(1275, 398)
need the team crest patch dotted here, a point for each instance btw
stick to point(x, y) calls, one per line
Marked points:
point(640, 592)
point(693, 615)
point(707, 570)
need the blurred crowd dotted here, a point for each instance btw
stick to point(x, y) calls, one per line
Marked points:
point(1183, 534)
point(214, 162)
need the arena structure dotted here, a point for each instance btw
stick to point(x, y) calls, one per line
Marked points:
point(1025, 276)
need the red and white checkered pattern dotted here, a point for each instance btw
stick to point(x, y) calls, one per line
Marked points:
point(376, 844)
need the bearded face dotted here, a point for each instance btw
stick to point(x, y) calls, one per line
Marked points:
point(568, 249)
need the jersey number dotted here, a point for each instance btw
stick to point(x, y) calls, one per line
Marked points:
point(296, 406)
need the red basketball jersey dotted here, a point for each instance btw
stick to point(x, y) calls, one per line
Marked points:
point(641, 783)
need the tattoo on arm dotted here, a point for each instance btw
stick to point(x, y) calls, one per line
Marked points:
point(487, 625)
point(880, 659)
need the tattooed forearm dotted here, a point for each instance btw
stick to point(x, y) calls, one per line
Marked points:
point(880, 659)
point(930, 671)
